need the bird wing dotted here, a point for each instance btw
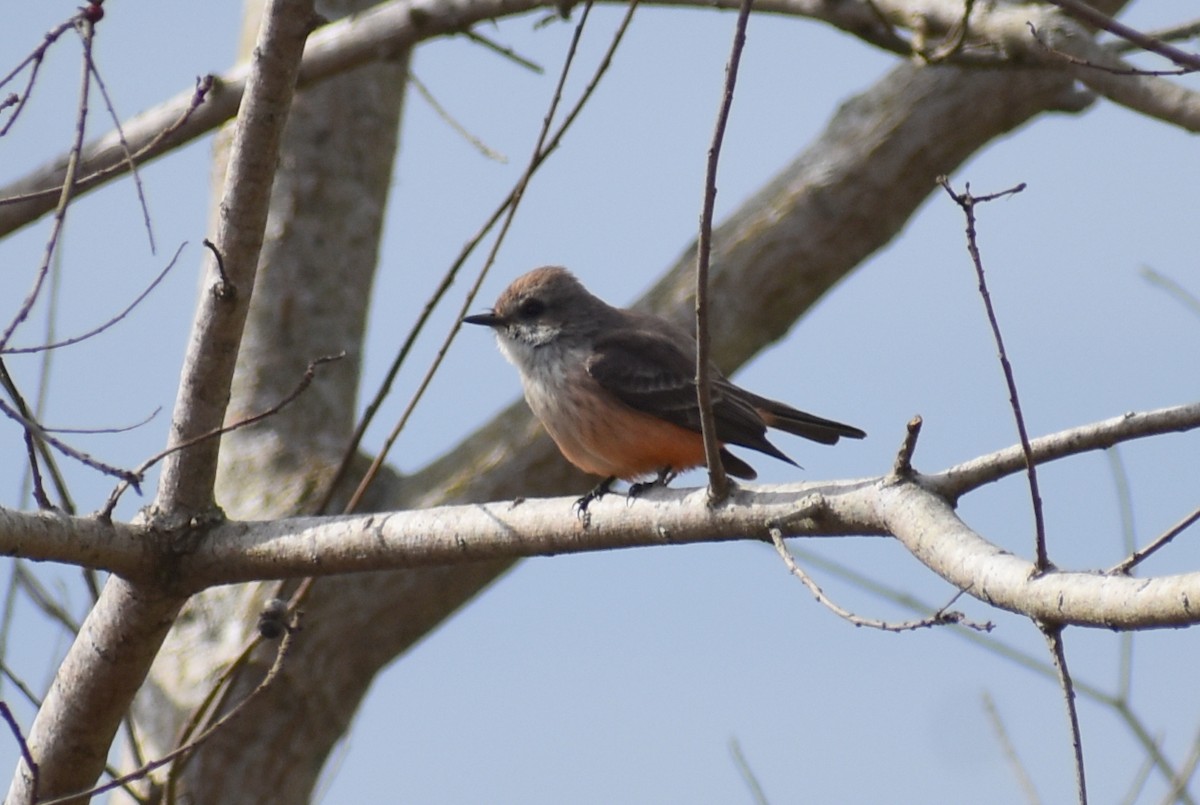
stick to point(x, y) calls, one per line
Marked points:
point(653, 374)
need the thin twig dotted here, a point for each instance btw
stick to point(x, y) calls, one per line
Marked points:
point(204, 85)
point(131, 478)
point(35, 474)
point(140, 773)
point(42, 597)
point(1090, 16)
point(1180, 782)
point(114, 429)
point(1171, 533)
point(225, 289)
point(1024, 781)
point(66, 342)
point(468, 248)
point(718, 482)
point(1175, 33)
point(26, 755)
point(1129, 540)
point(1058, 653)
point(305, 381)
point(743, 767)
point(21, 685)
point(36, 702)
point(1082, 62)
point(209, 705)
point(1140, 777)
point(967, 203)
point(65, 502)
point(133, 168)
point(449, 119)
point(286, 617)
point(942, 617)
point(1019, 657)
point(902, 467)
point(65, 193)
point(504, 51)
point(546, 145)
point(35, 58)
point(1173, 288)
point(1150, 744)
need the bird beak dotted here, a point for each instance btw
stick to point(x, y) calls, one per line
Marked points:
point(486, 319)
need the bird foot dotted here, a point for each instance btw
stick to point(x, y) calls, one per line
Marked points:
point(581, 506)
point(665, 476)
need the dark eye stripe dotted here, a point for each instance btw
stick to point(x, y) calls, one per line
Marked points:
point(531, 308)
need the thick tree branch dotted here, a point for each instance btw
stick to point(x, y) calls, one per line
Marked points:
point(107, 663)
point(998, 36)
point(186, 485)
point(921, 518)
point(972, 474)
point(924, 522)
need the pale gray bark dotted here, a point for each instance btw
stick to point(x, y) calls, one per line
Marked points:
point(110, 657)
point(313, 290)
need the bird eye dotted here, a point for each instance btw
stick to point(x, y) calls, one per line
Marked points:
point(531, 308)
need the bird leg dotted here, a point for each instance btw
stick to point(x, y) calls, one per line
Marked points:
point(665, 476)
point(600, 490)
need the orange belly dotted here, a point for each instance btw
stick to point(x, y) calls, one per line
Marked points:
point(629, 444)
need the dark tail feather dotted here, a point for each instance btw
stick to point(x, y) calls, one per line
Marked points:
point(818, 429)
point(740, 469)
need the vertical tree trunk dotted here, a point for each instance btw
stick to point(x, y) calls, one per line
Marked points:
point(310, 300)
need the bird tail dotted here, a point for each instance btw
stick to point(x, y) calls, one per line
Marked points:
point(818, 429)
point(740, 469)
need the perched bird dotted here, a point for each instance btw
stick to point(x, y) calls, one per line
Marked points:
point(616, 388)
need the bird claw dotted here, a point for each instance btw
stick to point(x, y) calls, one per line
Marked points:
point(665, 476)
point(581, 506)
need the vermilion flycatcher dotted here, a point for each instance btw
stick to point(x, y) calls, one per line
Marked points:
point(616, 388)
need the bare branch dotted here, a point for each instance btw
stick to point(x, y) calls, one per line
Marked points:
point(969, 475)
point(743, 767)
point(192, 744)
point(66, 342)
point(913, 511)
point(65, 192)
point(1089, 15)
point(305, 381)
point(505, 51)
point(35, 59)
point(1137, 556)
point(30, 763)
point(718, 482)
point(942, 617)
point(449, 119)
point(1054, 639)
point(35, 430)
point(186, 484)
point(124, 631)
point(1024, 782)
point(1173, 288)
point(546, 144)
point(129, 158)
point(967, 202)
point(902, 468)
point(394, 27)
